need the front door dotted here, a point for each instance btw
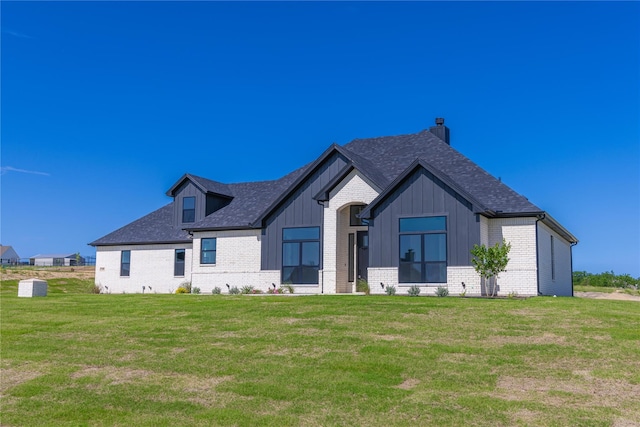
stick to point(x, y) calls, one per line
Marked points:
point(362, 251)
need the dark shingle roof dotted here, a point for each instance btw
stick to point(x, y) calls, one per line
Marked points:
point(393, 154)
point(381, 159)
point(250, 199)
point(157, 227)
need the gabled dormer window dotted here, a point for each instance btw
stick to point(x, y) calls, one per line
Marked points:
point(188, 209)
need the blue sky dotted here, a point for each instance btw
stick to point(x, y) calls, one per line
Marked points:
point(106, 104)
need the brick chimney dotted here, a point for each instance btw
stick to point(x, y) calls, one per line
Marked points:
point(440, 130)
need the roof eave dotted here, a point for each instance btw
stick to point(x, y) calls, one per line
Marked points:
point(158, 242)
point(542, 216)
point(226, 228)
point(558, 228)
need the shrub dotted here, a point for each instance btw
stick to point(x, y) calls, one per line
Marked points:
point(441, 291)
point(184, 288)
point(95, 288)
point(390, 290)
point(248, 289)
point(463, 293)
point(216, 291)
point(362, 286)
point(234, 290)
point(286, 289)
point(414, 291)
point(489, 262)
point(195, 290)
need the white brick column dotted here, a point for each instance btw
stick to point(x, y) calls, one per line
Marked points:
point(354, 189)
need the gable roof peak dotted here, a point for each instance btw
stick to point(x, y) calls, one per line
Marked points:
point(205, 185)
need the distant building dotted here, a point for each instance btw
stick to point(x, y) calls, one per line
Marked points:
point(49, 260)
point(8, 256)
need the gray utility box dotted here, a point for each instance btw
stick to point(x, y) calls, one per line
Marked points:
point(32, 288)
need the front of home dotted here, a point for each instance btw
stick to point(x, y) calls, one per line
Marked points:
point(396, 211)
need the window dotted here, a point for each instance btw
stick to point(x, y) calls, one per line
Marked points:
point(125, 263)
point(189, 209)
point(178, 264)
point(300, 255)
point(423, 250)
point(208, 251)
point(354, 211)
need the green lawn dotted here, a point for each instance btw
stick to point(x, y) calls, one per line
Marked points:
point(168, 360)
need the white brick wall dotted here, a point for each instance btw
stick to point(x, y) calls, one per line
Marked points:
point(467, 275)
point(386, 275)
point(521, 274)
point(484, 230)
point(152, 266)
point(455, 277)
point(354, 189)
point(561, 284)
point(237, 262)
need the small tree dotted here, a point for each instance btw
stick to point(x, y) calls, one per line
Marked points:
point(489, 262)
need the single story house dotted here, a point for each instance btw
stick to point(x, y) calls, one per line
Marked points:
point(8, 256)
point(397, 210)
point(48, 260)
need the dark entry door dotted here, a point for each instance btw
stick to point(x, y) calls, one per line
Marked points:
point(362, 251)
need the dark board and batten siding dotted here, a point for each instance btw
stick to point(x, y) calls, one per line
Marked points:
point(188, 190)
point(423, 194)
point(206, 204)
point(299, 209)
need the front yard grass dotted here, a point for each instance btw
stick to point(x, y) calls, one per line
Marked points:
point(169, 360)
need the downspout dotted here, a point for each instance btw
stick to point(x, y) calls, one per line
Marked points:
point(571, 261)
point(539, 217)
point(321, 203)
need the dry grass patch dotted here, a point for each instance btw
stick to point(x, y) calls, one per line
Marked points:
point(12, 377)
point(113, 375)
point(545, 338)
point(408, 384)
point(587, 392)
point(21, 273)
